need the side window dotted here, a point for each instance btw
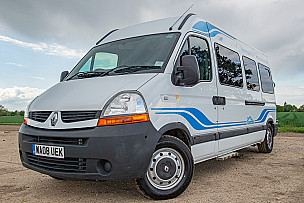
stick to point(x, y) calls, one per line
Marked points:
point(105, 61)
point(87, 66)
point(199, 48)
point(251, 74)
point(266, 79)
point(229, 66)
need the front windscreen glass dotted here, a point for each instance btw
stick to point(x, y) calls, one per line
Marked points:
point(134, 55)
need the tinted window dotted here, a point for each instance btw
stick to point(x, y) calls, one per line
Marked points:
point(266, 80)
point(251, 73)
point(199, 48)
point(229, 66)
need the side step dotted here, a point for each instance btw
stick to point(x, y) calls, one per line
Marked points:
point(227, 156)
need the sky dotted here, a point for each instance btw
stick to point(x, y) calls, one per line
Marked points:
point(39, 39)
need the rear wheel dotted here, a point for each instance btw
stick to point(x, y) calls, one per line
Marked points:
point(170, 170)
point(267, 145)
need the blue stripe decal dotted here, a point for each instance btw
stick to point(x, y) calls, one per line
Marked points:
point(201, 27)
point(204, 123)
point(209, 30)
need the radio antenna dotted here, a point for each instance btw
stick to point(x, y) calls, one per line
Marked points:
point(170, 28)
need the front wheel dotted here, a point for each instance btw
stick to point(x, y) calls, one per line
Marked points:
point(267, 145)
point(170, 170)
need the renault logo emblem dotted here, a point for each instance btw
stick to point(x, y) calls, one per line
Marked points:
point(54, 119)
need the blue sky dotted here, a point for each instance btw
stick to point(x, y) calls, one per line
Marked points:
point(40, 39)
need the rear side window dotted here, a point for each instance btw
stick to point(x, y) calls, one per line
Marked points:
point(251, 73)
point(199, 48)
point(266, 79)
point(229, 66)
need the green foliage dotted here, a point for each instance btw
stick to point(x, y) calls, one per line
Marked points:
point(11, 120)
point(291, 129)
point(301, 109)
point(3, 111)
point(280, 108)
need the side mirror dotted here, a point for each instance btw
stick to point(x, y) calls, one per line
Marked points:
point(63, 75)
point(188, 73)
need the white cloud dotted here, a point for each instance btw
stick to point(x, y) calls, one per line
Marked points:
point(50, 49)
point(291, 95)
point(38, 78)
point(16, 98)
point(14, 64)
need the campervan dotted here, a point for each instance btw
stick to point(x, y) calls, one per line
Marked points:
point(148, 102)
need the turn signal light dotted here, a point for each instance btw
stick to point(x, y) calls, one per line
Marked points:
point(25, 121)
point(123, 120)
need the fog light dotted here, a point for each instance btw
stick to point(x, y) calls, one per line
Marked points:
point(104, 167)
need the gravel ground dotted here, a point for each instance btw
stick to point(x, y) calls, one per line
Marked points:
point(254, 177)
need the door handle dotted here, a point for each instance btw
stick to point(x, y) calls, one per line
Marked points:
point(217, 100)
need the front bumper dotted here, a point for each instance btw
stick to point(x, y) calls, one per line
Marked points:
point(128, 148)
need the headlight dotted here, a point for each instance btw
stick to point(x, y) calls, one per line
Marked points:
point(26, 112)
point(126, 103)
point(129, 106)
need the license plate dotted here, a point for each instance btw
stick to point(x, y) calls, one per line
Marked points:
point(49, 151)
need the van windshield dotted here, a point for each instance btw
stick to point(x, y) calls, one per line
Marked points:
point(133, 55)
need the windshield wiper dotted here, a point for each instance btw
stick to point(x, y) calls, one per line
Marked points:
point(123, 69)
point(86, 74)
point(120, 69)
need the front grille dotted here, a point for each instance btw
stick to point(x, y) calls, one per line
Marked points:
point(75, 116)
point(69, 165)
point(56, 140)
point(40, 116)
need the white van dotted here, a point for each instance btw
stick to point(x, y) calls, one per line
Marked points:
point(148, 102)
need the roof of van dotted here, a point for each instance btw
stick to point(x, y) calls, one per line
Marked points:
point(193, 23)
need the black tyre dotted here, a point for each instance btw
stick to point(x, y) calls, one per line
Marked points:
point(170, 170)
point(267, 145)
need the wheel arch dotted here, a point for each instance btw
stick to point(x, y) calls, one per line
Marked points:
point(177, 130)
point(271, 122)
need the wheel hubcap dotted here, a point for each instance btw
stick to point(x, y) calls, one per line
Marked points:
point(166, 169)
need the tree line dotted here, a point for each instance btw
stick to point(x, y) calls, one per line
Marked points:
point(5, 112)
point(289, 108)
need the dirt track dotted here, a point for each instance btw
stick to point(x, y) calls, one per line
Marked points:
point(254, 177)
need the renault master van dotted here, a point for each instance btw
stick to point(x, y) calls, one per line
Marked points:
point(148, 102)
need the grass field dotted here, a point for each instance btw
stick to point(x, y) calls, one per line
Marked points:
point(291, 122)
point(11, 120)
point(290, 119)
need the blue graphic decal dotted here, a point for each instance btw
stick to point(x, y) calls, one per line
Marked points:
point(209, 30)
point(213, 31)
point(201, 27)
point(199, 121)
point(250, 120)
